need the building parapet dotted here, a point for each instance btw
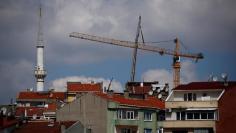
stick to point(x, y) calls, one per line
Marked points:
point(189, 123)
point(191, 104)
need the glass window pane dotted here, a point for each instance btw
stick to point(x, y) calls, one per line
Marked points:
point(189, 96)
point(210, 115)
point(185, 97)
point(182, 115)
point(147, 130)
point(194, 97)
point(178, 115)
point(196, 116)
point(189, 115)
point(203, 115)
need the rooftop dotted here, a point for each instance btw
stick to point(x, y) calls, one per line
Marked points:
point(35, 110)
point(149, 102)
point(41, 95)
point(206, 86)
point(84, 87)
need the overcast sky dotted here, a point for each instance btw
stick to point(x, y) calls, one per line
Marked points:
point(206, 26)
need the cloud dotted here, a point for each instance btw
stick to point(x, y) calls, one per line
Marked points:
point(188, 74)
point(60, 84)
point(206, 26)
point(14, 78)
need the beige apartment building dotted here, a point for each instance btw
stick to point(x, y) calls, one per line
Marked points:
point(201, 107)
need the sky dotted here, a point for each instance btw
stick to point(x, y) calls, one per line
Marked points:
point(206, 26)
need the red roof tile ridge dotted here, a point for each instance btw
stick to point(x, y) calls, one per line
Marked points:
point(150, 102)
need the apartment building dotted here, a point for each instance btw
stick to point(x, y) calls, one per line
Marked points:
point(113, 113)
point(201, 107)
point(38, 105)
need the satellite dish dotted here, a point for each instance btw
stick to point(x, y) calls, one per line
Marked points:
point(215, 78)
point(224, 76)
point(159, 96)
point(4, 110)
point(162, 88)
point(166, 89)
point(154, 88)
point(150, 93)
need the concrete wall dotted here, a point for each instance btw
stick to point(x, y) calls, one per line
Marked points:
point(227, 112)
point(179, 95)
point(89, 109)
point(140, 123)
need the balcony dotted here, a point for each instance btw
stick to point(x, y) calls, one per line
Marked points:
point(126, 122)
point(189, 124)
point(191, 104)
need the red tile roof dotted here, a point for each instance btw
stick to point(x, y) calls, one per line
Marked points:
point(139, 89)
point(43, 127)
point(30, 111)
point(149, 102)
point(42, 95)
point(84, 87)
point(205, 86)
point(7, 122)
point(35, 110)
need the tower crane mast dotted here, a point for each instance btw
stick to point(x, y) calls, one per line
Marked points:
point(134, 58)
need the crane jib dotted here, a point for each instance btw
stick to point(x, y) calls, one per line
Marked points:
point(130, 44)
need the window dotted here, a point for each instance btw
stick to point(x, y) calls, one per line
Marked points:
point(203, 115)
point(196, 115)
point(185, 97)
point(210, 115)
point(147, 116)
point(160, 130)
point(127, 114)
point(189, 115)
point(180, 115)
point(147, 130)
point(200, 115)
point(125, 130)
point(130, 115)
point(190, 97)
point(194, 97)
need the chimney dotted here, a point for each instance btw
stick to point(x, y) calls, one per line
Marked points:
point(126, 94)
point(63, 128)
point(141, 84)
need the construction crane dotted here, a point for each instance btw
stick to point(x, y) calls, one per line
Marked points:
point(133, 67)
point(175, 53)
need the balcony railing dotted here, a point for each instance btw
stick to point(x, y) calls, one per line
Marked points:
point(189, 124)
point(126, 122)
point(191, 104)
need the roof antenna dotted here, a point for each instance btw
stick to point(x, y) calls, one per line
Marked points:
point(225, 77)
point(109, 86)
point(210, 77)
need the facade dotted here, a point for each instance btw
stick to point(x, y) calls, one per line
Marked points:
point(39, 105)
point(201, 107)
point(113, 113)
point(76, 88)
